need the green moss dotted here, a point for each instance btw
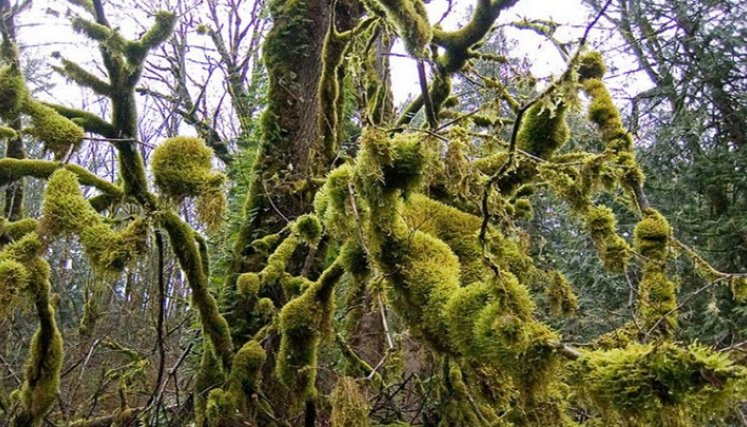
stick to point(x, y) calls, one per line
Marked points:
point(8, 133)
point(245, 373)
point(739, 289)
point(309, 229)
point(659, 384)
point(65, 209)
point(651, 236)
point(591, 66)
point(13, 92)
point(303, 323)
point(182, 167)
point(604, 113)
point(657, 300)
point(14, 278)
point(20, 228)
point(613, 250)
point(560, 295)
point(59, 134)
point(248, 284)
point(221, 409)
point(411, 20)
point(543, 130)
point(349, 405)
point(523, 209)
point(212, 204)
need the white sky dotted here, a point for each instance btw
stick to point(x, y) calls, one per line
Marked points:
point(46, 30)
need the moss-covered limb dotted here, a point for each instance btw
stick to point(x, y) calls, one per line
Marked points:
point(14, 169)
point(411, 20)
point(331, 94)
point(42, 371)
point(304, 323)
point(659, 384)
point(94, 30)
point(361, 365)
point(84, 78)
point(457, 43)
point(88, 121)
point(158, 33)
point(187, 252)
point(17, 229)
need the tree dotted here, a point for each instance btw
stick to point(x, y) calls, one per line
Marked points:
point(416, 227)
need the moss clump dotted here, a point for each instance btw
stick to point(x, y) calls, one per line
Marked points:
point(308, 228)
point(604, 113)
point(248, 284)
point(243, 381)
point(8, 133)
point(59, 134)
point(13, 92)
point(221, 409)
point(613, 250)
point(411, 20)
point(651, 235)
point(182, 167)
point(560, 295)
point(66, 211)
point(543, 130)
point(659, 384)
point(591, 66)
point(20, 228)
point(349, 405)
point(14, 279)
point(739, 289)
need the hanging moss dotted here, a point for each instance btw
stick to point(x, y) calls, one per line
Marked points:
point(349, 405)
point(221, 409)
point(66, 211)
point(243, 380)
point(739, 289)
point(212, 204)
point(562, 299)
point(651, 236)
point(411, 20)
point(59, 134)
point(543, 130)
point(613, 250)
point(659, 384)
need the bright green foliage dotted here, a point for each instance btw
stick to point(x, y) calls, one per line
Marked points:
point(411, 20)
point(613, 250)
point(349, 405)
point(659, 384)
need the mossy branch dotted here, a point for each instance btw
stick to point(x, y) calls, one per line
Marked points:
point(14, 169)
point(84, 78)
point(88, 121)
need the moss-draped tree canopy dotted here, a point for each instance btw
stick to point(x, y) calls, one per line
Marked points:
point(383, 269)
